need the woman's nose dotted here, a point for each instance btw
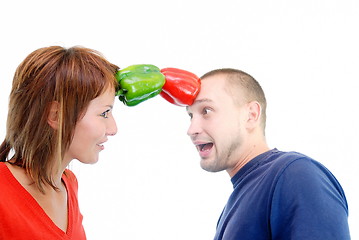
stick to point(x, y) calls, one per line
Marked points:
point(112, 127)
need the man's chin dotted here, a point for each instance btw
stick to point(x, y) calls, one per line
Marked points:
point(209, 165)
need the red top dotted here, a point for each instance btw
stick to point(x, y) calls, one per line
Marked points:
point(21, 217)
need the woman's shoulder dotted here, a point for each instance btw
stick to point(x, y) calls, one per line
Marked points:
point(3, 166)
point(70, 178)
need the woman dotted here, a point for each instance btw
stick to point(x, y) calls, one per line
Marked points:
point(59, 110)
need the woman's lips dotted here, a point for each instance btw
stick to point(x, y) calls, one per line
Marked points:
point(101, 146)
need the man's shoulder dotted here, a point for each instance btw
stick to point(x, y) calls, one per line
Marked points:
point(294, 162)
point(281, 158)
point(297, 166)
point(278, 159)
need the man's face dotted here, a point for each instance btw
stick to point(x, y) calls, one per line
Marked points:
point(217, 125)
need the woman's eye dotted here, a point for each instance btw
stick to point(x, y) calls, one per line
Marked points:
point(105, 114)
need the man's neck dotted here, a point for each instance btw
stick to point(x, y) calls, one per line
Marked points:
point(251, 152)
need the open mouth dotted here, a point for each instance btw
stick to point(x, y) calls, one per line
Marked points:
point(101, 146)
point(204, 147)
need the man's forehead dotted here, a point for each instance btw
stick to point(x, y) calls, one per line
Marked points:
point(210, 86)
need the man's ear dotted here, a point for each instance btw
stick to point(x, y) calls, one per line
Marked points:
point(53, 117)
point(254, 114)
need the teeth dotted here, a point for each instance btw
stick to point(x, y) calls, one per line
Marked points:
point(205, 146)
point(200, 146)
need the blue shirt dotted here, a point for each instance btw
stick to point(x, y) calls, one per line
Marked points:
point(284, 195)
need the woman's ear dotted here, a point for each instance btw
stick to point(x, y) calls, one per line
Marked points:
point(53, 117)
point(254, 114)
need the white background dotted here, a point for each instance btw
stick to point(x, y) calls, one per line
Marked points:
point(148, 183)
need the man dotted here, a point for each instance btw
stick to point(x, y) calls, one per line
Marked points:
point(277, 195)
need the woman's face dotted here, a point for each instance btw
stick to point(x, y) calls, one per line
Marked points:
point(92, 130)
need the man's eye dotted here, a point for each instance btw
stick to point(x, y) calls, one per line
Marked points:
point(105, 114)
point(206, 111)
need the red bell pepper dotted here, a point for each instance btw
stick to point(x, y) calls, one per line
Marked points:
point(181, 87)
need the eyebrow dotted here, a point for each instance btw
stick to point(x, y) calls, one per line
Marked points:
point(110, 106)
point(200, 101)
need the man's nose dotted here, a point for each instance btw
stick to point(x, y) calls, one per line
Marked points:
point(194, 128)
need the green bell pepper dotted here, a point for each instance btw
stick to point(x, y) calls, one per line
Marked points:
point(138, 83)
